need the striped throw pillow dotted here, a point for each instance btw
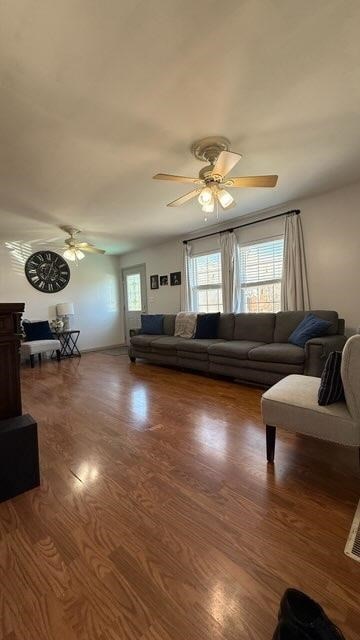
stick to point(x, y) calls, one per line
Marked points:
point(331, 387)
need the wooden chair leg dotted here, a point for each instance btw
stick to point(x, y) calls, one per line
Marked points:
point(32, 361)
point(270, 443)
point(58, 355)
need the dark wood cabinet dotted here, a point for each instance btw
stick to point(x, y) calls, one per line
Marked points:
point(10, 394)
point(19, 455)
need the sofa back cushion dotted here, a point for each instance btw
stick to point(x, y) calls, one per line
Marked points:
point(258, 327)
point(287, 321)
point(152, 324)
point(169, 324)
point(226, 326)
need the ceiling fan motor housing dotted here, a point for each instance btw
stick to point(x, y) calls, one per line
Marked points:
point(208, 149)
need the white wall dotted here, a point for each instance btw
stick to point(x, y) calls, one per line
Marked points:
point(160, 260)
point(93, 288)
point(331, 225)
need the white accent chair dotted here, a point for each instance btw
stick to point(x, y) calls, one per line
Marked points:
point(292, 404)
point(36, 347)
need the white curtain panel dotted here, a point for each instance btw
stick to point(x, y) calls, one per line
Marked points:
point(294, 285)
point(230, 272)
point(187, 302)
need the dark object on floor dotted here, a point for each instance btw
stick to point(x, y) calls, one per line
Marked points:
point(304, 614)
point(331, 387)
point(287, 631)
point(19, 456)
point(10, 333)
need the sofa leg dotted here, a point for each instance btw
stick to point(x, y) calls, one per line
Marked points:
point(32, 361)
point(39, 358)
point(270, 443)
point(132, 358)
point(58, 355)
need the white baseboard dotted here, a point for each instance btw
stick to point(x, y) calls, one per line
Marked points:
point(110, 346)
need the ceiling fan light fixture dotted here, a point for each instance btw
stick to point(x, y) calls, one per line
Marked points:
point(225, 198)
point(206, 196)
point(209, 207)
point(73, 254)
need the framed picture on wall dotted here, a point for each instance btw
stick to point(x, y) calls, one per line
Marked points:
point(175, 278)
point(164, 281)
point(154, 282)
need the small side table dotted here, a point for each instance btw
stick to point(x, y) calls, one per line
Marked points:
point(68, 342)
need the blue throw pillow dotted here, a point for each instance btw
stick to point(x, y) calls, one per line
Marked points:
point(310, 327)
point(152, 324)
point(207, 325)
point(37, 331)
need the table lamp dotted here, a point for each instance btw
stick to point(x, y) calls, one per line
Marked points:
point(65, 310)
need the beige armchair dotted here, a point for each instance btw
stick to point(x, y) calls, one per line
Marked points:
point(292, 404)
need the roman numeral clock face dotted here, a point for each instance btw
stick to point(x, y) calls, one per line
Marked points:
point(47, 271)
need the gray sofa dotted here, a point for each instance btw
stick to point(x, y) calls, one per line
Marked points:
point(252, 347)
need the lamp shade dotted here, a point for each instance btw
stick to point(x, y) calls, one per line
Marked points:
point(65, 309)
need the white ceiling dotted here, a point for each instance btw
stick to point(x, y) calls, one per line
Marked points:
point(97, 96)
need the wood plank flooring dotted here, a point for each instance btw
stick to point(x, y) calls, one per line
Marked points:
point(158, 517)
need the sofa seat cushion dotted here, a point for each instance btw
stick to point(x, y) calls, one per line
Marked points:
point(143, 341)
point(293, 404)
point(192, 355)
point(200, 345)
point(278, 352)
point(277, 367)
point(238, 349)
point(167, 343)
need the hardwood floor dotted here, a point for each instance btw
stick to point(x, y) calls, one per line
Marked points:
point(158, 517)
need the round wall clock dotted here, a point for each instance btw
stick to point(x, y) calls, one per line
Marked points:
point(47, 271)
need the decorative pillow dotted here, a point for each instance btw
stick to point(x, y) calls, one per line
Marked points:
point(310, 327)
point(185, 325)
point(207, 325)
point(152, 324)
point(331, 387)
point(37, 331)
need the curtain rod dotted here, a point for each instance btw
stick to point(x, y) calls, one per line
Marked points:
point(247, 224)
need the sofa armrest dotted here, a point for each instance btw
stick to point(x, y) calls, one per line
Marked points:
point(318, 349)
point(134, 332)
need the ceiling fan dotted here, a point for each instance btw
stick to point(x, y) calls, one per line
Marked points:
point(213, 178)
point(74, 250)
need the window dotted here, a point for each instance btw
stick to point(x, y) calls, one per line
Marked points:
point(133, 288)
point(260, 275)
point(207, 289)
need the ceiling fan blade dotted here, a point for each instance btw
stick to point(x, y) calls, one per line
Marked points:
point(225, 162)
point(185, 198)
point(252, 181)
point(82, 245)
point(168, 176)
point(90, 249)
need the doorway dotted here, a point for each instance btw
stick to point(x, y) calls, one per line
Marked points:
point(135, 297)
